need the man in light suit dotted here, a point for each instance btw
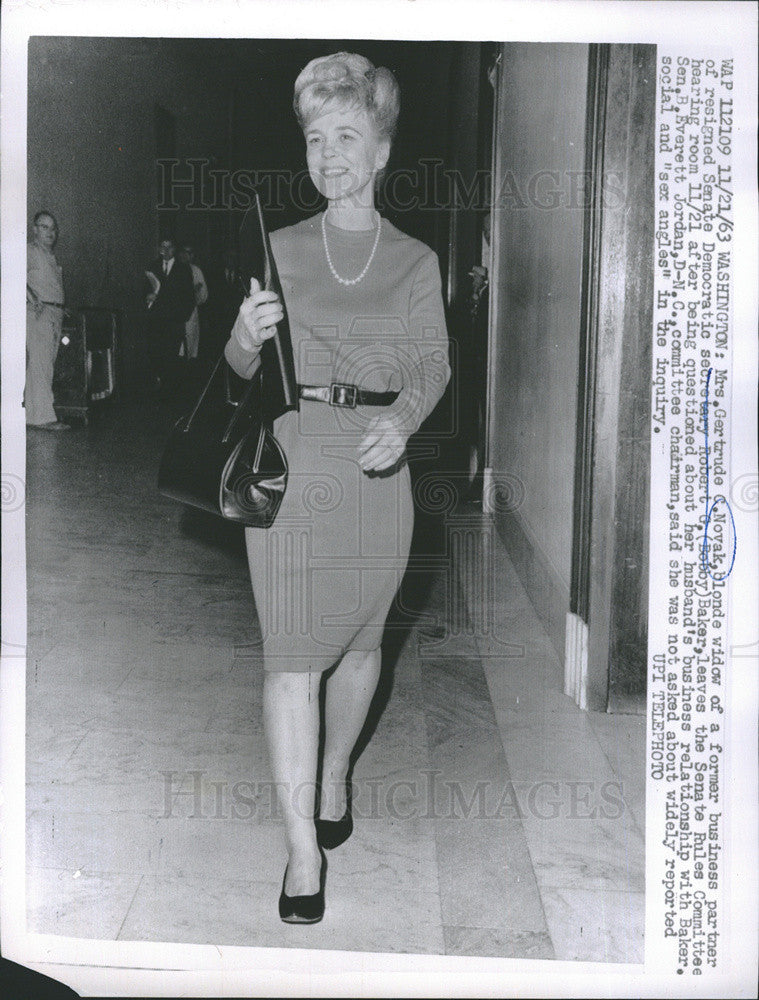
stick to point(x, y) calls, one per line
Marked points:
point(170, 303)
point(44, 323)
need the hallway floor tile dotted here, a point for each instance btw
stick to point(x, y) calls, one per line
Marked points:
point(150, 809)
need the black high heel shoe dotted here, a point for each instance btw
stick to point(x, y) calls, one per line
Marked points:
point(304, 909)
point(332, 833)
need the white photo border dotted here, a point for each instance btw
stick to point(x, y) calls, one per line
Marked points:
point(155, 968)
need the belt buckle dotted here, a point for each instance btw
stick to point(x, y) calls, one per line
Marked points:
point(341, 394)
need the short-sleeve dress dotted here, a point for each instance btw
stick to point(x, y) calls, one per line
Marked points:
point(325, 574)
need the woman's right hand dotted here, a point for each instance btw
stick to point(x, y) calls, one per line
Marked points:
point(258, 317)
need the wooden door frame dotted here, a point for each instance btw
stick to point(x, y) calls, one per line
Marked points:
point(607, 621)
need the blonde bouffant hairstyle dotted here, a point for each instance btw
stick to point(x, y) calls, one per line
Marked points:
point(346, 79)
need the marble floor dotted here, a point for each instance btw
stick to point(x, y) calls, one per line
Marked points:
point(493, 818)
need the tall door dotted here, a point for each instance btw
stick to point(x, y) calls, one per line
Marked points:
point(569, 361)
point(165, 135)
point(606, 648)
point(535, 314)
point(468, 172)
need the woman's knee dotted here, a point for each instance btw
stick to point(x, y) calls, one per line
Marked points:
point(360, 659)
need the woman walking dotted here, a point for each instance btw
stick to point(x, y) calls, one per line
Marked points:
point(371, 356)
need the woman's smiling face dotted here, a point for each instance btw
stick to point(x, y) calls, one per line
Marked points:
point(344, 154)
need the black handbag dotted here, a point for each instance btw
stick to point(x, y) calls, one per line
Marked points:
point(223, 456)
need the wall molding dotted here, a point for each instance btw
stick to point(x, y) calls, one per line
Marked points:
point(576, 660)
point(548, 593)
point(612, 465)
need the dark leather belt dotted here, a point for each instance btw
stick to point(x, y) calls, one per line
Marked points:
point(344, 394)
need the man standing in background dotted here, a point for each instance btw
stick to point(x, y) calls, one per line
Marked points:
point(170, 303)
point(192, 327)
point(44, 323)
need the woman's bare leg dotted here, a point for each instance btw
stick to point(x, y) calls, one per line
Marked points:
point(291, 724)
point(350, 690)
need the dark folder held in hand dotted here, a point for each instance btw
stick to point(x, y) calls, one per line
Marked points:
point(279, 390)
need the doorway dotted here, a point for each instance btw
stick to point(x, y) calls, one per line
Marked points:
point(565, 472)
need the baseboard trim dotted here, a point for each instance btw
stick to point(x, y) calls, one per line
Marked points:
point(576, 660)
point(548, 593)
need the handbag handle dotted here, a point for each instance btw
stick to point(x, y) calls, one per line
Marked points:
point(240, 407)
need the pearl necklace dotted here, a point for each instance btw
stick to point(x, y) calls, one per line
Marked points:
point(335, 275)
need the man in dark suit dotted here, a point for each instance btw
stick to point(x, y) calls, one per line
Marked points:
point(224, 298)
point(170, 302)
